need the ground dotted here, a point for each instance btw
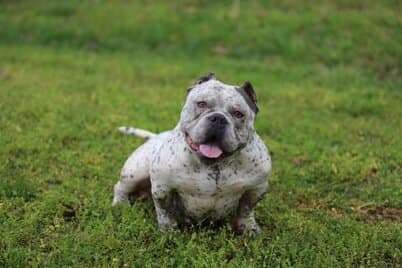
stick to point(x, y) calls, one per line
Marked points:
point(328, 76)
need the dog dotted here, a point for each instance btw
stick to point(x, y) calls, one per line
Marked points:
point(211, 166)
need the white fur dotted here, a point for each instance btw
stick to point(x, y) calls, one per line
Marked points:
point(166, 162)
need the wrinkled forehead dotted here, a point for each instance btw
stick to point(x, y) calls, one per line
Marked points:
point(217, 90)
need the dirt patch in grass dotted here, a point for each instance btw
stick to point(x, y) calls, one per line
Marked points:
point(374, 212)
point(367, 212)
point(70, 212)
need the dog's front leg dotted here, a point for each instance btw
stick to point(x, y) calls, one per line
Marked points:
point(244, 221)
point(163, 201)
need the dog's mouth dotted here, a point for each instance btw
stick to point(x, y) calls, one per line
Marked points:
point(207, 150)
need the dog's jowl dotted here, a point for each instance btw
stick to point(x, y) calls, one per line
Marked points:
point(211, 166)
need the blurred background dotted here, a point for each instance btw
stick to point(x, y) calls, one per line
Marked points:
point(358, 34)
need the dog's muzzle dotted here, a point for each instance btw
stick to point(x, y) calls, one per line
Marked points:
point(211, 147)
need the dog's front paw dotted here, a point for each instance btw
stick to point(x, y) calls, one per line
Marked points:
point(166, 224)
point(120, 201)
point(167, 227)
point(247, 227)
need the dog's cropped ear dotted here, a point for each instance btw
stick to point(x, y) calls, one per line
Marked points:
point(205, 78)
point(248, 93)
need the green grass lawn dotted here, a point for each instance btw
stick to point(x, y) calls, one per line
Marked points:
point(328, 75)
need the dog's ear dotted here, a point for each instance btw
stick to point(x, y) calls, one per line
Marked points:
point(205, 78)
point(248, 93)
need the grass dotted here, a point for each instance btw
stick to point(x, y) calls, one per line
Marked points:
point(328, 76)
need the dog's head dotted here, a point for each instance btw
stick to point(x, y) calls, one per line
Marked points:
point(218, 119)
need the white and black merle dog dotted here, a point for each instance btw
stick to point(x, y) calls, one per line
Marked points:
point(211, 166)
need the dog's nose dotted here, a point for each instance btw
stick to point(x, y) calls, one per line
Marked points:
point(218, 119)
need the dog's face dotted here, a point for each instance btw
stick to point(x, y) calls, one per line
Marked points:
point(218, 119)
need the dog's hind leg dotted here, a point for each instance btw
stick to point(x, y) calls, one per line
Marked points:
point(134, 177)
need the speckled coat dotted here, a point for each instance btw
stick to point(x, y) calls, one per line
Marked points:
point(186, 189)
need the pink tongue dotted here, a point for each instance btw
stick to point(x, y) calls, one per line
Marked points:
point(210, 151)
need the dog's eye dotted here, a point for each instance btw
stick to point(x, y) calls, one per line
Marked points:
point(201, 104)
point(238, 114)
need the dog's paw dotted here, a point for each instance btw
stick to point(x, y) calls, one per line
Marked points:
point(120, 201)
point(166, 224)
point(167, 227)
point(247, 227)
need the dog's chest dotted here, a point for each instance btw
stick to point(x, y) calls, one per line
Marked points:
point(211, 192)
